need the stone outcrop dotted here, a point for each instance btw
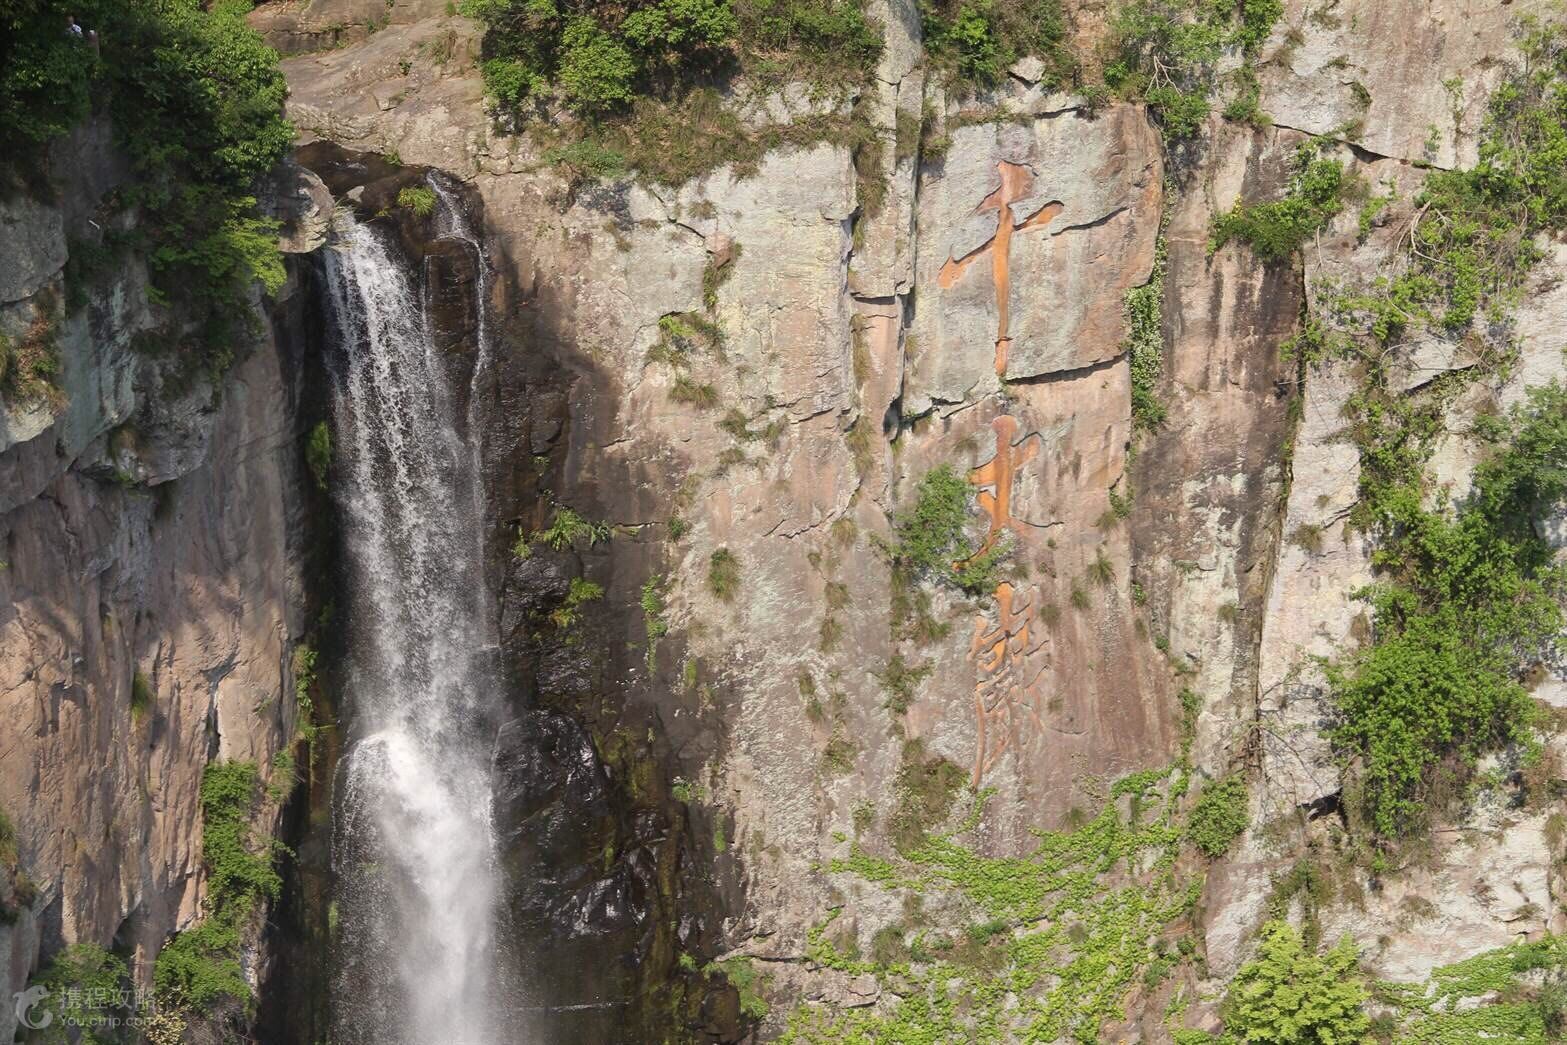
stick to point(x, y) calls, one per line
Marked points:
point(974, 318)
point(764, 365)
point(149, 597)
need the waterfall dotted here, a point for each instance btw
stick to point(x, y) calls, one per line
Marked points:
point(413, 848)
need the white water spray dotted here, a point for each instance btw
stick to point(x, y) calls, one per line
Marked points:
point(413, 846)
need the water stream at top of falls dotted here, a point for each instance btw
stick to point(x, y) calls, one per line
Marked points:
point(413, 845)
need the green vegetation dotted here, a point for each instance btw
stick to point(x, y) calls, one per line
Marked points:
point(1144, 345)
point(1467, 594)
point(974, 42)
point(900, 680)
point(197, 101)
point(201, 965)
point(22, 890)
point(1466, 601)
point(699, 394)
point(926, 787)
point(418, 198)
point(723, 574)
point(931, 539)
point(1513, 994)
point(1165, 52)
point(142, 696)
point(318, 453)
point(1219, 816)
point(567, 529)
point(653, 616)
point(1063, 934)
point(79, 979)
point(1277, 229)
point(581, 592)
point(647, 77)
point(29, 364)
point(303, 667)
point(1294, 997)
point(682, 334)
point(742, 975)
point(598, 57)
point(285, 775)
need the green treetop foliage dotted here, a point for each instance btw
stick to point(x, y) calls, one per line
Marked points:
point(975, 41)
point(1164, 52)
point(1275, 230)
point(600, 56)
point(197, 103)
point(931, 538)
point(1290, 996)
point(1467, 601)
point(201, 965)
point(77, 979)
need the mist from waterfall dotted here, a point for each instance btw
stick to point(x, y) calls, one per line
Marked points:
point(413, 844)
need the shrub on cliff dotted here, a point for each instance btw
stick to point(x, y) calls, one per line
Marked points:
point(601, 56)
point(84, 981)
point(975, 41)
point(197, 102)
point(1278, 228)
point(201, 965)
point(1466, 601)
point(1166, 53)
point(1219, 816)
point(1290, 996)
point(931, 537)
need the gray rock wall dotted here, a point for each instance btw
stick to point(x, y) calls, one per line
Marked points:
point(149, 534)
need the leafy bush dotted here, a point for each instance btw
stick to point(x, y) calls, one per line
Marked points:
point(599, 55)
point(1289, 996)
point(318, 453)
point(1277, 229)
point(649, 76)
point(1467, 600)
point(418, 198)
point(239, 867)
point(201, 965)
point(79, 979)
point(1219, 816)
point(1165, 53)
point(1144, 344)
point(747, 982)
point(197, 101)
point(931, 538)
point(569, 612)
point(566, 529)
point(723, 574)
point(976, 41)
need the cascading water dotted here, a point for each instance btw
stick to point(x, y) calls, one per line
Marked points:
point(413, 847)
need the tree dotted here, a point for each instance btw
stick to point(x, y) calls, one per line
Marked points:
point(1290, 996)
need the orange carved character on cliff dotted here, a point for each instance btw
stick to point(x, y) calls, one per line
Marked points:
point(1016, 186)
point(1006, 654)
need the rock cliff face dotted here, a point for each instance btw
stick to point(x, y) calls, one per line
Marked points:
point(151, 590)
point(746, 377)
point(974, 318)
